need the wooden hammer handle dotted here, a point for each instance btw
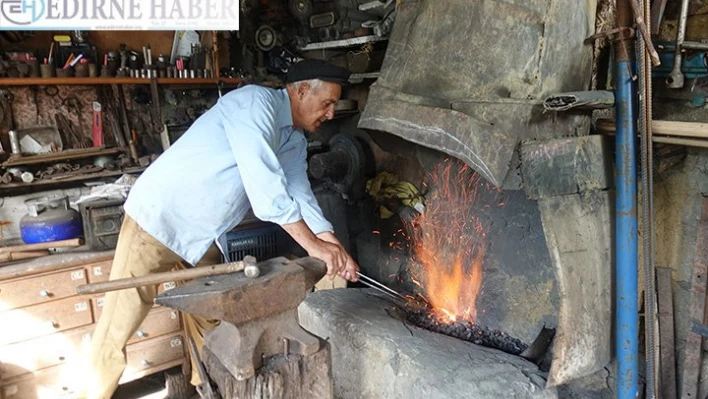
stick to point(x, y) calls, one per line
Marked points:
point(157, 278)
point(11, 256)
point(75, 242)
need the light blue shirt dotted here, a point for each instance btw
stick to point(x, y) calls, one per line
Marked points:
point(242, 153)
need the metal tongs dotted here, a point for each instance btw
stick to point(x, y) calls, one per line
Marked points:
point(370, 282)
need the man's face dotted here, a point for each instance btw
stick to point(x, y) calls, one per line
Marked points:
point(315, 105)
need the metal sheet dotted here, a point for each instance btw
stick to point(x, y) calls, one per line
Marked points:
point(428, 63)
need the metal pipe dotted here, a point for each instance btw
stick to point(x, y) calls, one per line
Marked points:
point(695, 45)
point(675, 79)
point(626, 335)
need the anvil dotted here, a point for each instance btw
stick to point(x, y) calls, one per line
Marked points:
point(258, 316)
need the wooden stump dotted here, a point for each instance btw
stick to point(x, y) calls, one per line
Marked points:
point(293, 378)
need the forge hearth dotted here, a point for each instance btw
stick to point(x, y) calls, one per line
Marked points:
point(470, 332)
point(377, 353)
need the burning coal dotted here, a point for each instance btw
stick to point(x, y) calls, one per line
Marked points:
point(448, 243)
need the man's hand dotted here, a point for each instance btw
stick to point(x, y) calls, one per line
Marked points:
point(349, 272)
point(326, 247)
point(333, 255)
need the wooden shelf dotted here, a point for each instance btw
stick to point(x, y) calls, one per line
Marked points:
point(78, 178)
point(60, 156)
point(112, 81)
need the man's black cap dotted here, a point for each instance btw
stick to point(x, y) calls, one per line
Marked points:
point(317, 69)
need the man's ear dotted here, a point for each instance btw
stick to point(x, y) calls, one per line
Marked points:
point(302, 89)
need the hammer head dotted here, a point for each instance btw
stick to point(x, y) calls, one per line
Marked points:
point(237, 299)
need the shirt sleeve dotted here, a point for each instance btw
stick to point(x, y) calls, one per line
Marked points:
point(294, 161)
point(252, 134)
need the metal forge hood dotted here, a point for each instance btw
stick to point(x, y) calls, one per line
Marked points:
point(467, 77)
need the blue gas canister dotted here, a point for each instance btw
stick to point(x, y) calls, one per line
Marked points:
point(50, 219)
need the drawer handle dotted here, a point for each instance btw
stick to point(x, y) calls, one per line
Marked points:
point(145, 363)
point(141, 334)
point(54, 324)
point(44, 293)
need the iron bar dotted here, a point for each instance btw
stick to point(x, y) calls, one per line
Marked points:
point(647, 167)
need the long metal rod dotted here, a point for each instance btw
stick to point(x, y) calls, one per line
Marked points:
point(626, 212)
point(647, 166)
point(378, 286)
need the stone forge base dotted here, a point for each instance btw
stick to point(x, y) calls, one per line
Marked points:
point(375, 355)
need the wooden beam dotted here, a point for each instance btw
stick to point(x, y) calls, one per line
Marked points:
point(667, 350)
point(692, 358)
point(666, 128)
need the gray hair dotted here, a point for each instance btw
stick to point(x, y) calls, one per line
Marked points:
point(314, 83)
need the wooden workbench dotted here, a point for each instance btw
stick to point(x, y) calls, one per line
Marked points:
point(45, 327)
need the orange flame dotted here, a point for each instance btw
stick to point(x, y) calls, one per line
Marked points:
point(449, 244)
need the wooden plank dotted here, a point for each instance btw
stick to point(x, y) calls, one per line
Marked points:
point(667, 128)
point(680, 141)
point(52, 263)
point(89, 176)
point(60, 156)
point(667, 350)
point(693, 352)
point(114, 81)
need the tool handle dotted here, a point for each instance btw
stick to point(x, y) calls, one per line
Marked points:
point(75, 242)
point(153, 279)
point(11, 256)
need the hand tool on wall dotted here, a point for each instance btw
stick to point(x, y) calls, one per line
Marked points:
point(157, 123)
point(97, 118)
point(129, 133)
point(158, 278)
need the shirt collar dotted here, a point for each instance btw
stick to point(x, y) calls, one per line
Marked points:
point(285, 117)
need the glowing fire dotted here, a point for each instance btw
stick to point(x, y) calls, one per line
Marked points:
point(449, 242)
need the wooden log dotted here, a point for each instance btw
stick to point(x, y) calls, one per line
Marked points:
point(293, 377)
point(75, 242)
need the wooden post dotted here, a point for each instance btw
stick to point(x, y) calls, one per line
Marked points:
point(280, 377)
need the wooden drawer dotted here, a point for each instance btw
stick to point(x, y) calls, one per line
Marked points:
point(39, 320)
point(99, 272)
point(152, 354)
point(58, 382)
point(28, 291)
point(43, 352)
point(159, 321)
